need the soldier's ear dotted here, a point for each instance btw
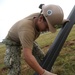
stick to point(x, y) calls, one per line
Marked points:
point(40, 18)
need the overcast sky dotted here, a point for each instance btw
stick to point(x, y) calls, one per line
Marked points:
point(14, 10)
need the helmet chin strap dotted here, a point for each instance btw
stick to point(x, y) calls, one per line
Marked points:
point(37, 28)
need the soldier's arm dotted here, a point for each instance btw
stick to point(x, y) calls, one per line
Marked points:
point(30, 59)
point(27, 39)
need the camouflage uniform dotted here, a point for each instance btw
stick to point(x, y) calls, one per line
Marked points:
point(13, 55)
point(37, 52)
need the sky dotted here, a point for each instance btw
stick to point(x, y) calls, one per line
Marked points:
point(13, 10)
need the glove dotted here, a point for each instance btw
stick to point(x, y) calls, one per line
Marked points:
point(48, 73)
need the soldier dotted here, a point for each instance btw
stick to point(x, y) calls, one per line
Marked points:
point(24, 33)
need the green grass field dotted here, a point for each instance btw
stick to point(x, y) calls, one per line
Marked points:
point(65, 63)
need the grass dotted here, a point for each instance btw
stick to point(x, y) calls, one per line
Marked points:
point(65, 63)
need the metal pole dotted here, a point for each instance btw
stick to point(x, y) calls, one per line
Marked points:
point(55, 48)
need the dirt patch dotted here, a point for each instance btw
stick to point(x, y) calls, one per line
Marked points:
point(69, 43)
point(45, 49)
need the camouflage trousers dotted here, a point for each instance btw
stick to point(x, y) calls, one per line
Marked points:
point(12, 57)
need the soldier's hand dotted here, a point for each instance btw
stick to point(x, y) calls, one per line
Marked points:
point(48, 73)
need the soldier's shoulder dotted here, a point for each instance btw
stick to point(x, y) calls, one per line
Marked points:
point(32, 15)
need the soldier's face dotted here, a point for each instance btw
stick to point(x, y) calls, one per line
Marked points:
point(42, 25)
